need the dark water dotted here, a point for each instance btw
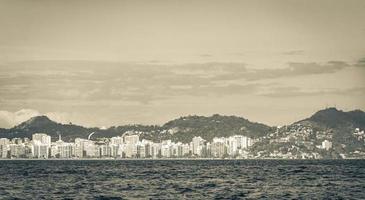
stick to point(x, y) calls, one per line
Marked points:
point(190, 179)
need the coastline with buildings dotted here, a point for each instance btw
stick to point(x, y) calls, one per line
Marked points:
point(129, 146)
point(328, 134)
point(123, 147)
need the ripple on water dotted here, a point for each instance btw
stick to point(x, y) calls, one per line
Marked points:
point(172, 179)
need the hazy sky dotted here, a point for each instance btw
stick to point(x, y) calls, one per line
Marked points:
point(103, 63)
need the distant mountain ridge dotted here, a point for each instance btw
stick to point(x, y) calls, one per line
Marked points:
point(42, 124)
point(339, 121)
point(185, 128)
point(214, 126)
point(333, 118)
point(341, 124)
point(182, 129)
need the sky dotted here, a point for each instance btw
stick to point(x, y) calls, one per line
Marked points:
point(107, 63)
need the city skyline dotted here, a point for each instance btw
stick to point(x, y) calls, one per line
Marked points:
point(327, 134)
point(127, 145)
point(124, 62)
point(296, 142)
point(182, 99)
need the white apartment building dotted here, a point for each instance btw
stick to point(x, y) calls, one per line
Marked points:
point(131, 150)
point(197, 145)
point(131, 139)
point(327, 145)
point(17, 150)
point(40, 150)
point(116, 140)
point(4, 147)
point(85, 148)
point(42, 138)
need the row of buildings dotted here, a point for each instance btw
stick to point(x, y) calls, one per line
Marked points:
point(125, 146)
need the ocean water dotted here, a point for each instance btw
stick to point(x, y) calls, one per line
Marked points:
point(182, 179)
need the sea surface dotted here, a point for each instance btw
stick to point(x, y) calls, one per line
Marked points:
point(182, 179)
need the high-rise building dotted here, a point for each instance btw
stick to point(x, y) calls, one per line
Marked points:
point(85, 148)
point(17, 140)
point(165, 150)
point(148, 147)
point(326, 145)
point(131, 139)
point(79, 147)
point(219, 147)
point(197, 145)
point(105, 150)
point(42, 138)
point(114, 150)
point(237, 142)
point(4, 147)
point(40, 150)
point(185, 150)
point(17, 150)
point(66, 150)
point(61, 149)
point(131, 150)
point(156, 150)
point(116, 140)
point(177, 149)
point(141, 150)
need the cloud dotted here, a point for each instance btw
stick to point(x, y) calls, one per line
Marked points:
point(91, 81)
point(360, 63)
point(315, 68)
point(294, 52)
point(61, 117)
point(280, 92)
point(205, 55)
point(296, 69)
point(10, 119)
point(59, 88)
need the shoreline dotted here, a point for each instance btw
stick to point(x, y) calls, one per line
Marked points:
point(164, 159)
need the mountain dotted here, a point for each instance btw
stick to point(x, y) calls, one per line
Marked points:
point(42, 124)
point(341, 124)
point(336, 119)
point(185, 128)
point(182, 129)
point(304, 139)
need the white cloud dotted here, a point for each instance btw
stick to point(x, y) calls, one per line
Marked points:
point(60, 117)
point(10, 119)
